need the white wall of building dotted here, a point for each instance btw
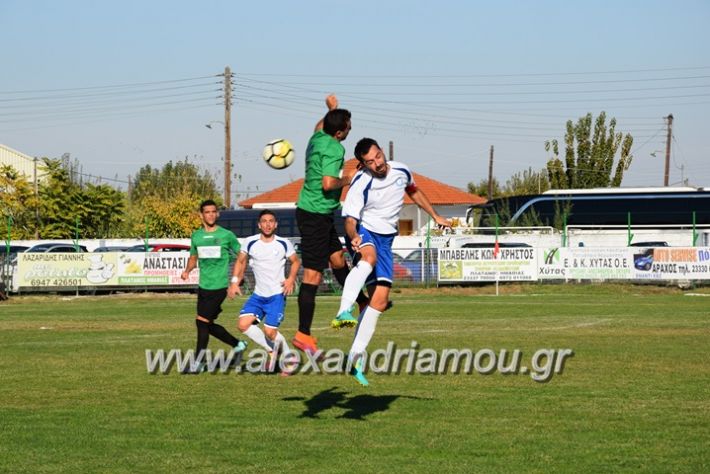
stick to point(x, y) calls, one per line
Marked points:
point(24, 164)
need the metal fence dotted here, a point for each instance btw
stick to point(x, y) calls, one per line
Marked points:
point(416, 266)
point(6, 271)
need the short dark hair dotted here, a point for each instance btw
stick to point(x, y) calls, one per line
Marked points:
point(363, 146)
point(266, 212)
point(336, 120)
point(207, 202)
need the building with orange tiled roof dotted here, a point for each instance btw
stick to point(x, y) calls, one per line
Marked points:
point(448, 201)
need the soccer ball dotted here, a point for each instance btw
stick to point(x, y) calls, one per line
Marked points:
point(279, 154)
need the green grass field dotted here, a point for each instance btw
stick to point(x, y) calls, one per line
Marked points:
point(76, 396)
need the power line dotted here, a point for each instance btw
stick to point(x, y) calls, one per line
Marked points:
point(104, 117)
point(119, 94)
point(506, 93)
point(134, 84)
point(459, 120)
point(410, 115)
point(543, 101)
point(619, 71)
point(651, 138)
point(440, 105)
point(100, 110)
point(433, 124)
point(485, 84)
point(80, 106)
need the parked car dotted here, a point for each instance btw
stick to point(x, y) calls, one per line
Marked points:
point(413, 264)
point(14, 248)
point(12, 251)
point(644, 261)
point(652, 243)
point(112, 248)
point(401, 272)
point(10, 258)
point(50, 247)
point(159, 248)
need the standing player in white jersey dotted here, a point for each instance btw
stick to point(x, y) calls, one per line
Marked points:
point(267, 253)
point(371, 211)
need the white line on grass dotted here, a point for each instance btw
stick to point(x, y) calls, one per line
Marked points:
point(84, 341)
point(582, 325)
point(488, 329)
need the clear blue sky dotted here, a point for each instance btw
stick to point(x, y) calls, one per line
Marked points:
point(443, 80)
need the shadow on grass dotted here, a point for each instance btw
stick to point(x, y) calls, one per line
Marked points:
point(356, 408)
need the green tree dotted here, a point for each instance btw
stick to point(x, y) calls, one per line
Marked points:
point(18, 201)
point(168, 198)
point(99, 209)
point(181, 177)
point(57, 196)
point(481, 189)
point(589, 155)
point(520, 183)
point(175, 218)
point(526, 182)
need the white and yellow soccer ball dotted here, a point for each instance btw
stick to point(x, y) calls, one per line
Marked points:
point(279, 154)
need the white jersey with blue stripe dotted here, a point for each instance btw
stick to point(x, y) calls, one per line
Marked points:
point(268, 261)
point(377, 202)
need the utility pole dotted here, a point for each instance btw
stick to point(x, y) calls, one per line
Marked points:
point(490, 175)
point(227, 137)
point(391, 150)
point(36, 200)
point(668, 149)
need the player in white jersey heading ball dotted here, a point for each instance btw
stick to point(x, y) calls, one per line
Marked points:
point(267, 253)
point(371, 211)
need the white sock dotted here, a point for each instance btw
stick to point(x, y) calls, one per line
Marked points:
point(353, 284)
point(279, 344)
point(257, 335)
point(364, 332)
point(283, 345)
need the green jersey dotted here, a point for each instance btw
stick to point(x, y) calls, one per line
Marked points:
point(324, 157)
point(214, 252)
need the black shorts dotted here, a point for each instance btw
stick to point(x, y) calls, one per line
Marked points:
point(319, 240)
point(209, 302)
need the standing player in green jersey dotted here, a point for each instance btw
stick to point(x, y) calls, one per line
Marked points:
point(214, 247)
point(319, 198)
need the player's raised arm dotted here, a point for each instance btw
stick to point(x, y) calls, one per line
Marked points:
point(331, 101)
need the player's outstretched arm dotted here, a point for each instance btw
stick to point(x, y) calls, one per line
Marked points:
point(421, 200)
